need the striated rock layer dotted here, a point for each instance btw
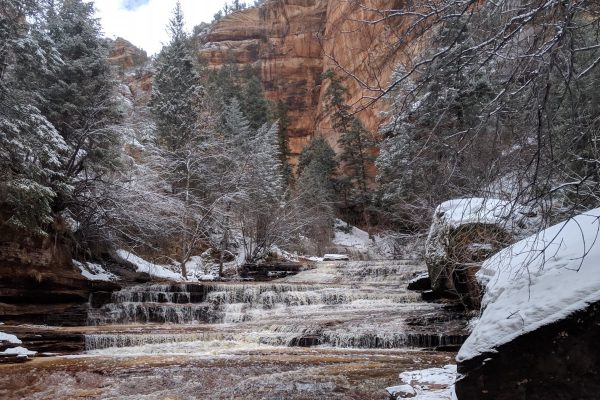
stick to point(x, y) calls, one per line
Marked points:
point(39, 284)
point(293, 42)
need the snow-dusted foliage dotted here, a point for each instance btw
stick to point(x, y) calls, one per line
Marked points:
point(537, 281)
point(31, 149)
point(490, 96)
point(176, 89)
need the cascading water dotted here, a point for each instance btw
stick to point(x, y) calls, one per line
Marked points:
point(350, 305)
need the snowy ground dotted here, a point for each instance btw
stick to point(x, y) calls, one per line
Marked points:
point(94, 272)
point(357, 243)
point(537, 281)
point(197, 268)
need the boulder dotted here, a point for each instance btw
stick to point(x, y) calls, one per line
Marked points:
point(463, 233)
point(539, 326)
point(39, 283)
point(421, 282)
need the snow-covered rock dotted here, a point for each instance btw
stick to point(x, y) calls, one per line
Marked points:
point(401, 391)
point(156, 270)
point(18, 351)
point(335, 257)
point(426, 384)
point(358, 244)
point(7, 337)
point(94, 272)
point(463, 233)
point(540, 321)
point(536, 281)
point(201, 269)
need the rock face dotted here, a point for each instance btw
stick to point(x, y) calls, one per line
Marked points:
point(39, 284)
point(125, 55)
point(291, 42)
point(560, 361)
point(132, 67)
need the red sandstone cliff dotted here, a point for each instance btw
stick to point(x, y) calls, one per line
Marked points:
point(293, 42)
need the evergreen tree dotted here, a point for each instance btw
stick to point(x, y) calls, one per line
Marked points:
point(316, 187)
point(176, 93)
point(31, 150)
point(357, 150)
point(284, 148)
point(321, 156)
point(79, 100)
point(254, 104)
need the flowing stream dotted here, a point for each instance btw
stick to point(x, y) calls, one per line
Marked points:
point(341, 330)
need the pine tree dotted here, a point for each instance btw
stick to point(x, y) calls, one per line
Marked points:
point(254, 104)
point(357, 150)
point(284, 148)
point(176, 93)
point(31, 150)
point(321, 156)
point(79, 101)
point(316, 189)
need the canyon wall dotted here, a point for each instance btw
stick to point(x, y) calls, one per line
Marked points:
point(292, 42)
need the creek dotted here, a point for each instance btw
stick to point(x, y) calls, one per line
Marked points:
point(340, 330)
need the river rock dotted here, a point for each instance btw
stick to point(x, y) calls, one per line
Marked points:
point(421, 282)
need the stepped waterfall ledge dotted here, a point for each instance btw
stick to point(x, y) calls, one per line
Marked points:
point(330, 320)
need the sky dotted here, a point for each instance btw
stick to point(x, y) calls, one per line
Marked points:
point(143, 22)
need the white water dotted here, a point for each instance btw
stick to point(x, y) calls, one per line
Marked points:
point(339, 304)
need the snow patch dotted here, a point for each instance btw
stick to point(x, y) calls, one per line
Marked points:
point(350, 236)
point(537, 281)
point(94, 272)
point(426, 384)
point(19, 351)
point(156, 270)
point(457, 212)
point(7, 337)
point(198, 270)
point(355, 240)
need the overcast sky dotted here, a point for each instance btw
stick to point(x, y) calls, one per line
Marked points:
point(143, 22)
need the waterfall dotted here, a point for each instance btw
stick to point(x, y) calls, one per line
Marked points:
point(351, 305)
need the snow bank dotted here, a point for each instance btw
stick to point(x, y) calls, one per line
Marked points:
point(159, 271)
point(351, 236)
point(19, 351)
point(94, 272)
point(537, 281)
point(355, 240)
point(7, 337)
point(474, 210)
point(426, 384)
